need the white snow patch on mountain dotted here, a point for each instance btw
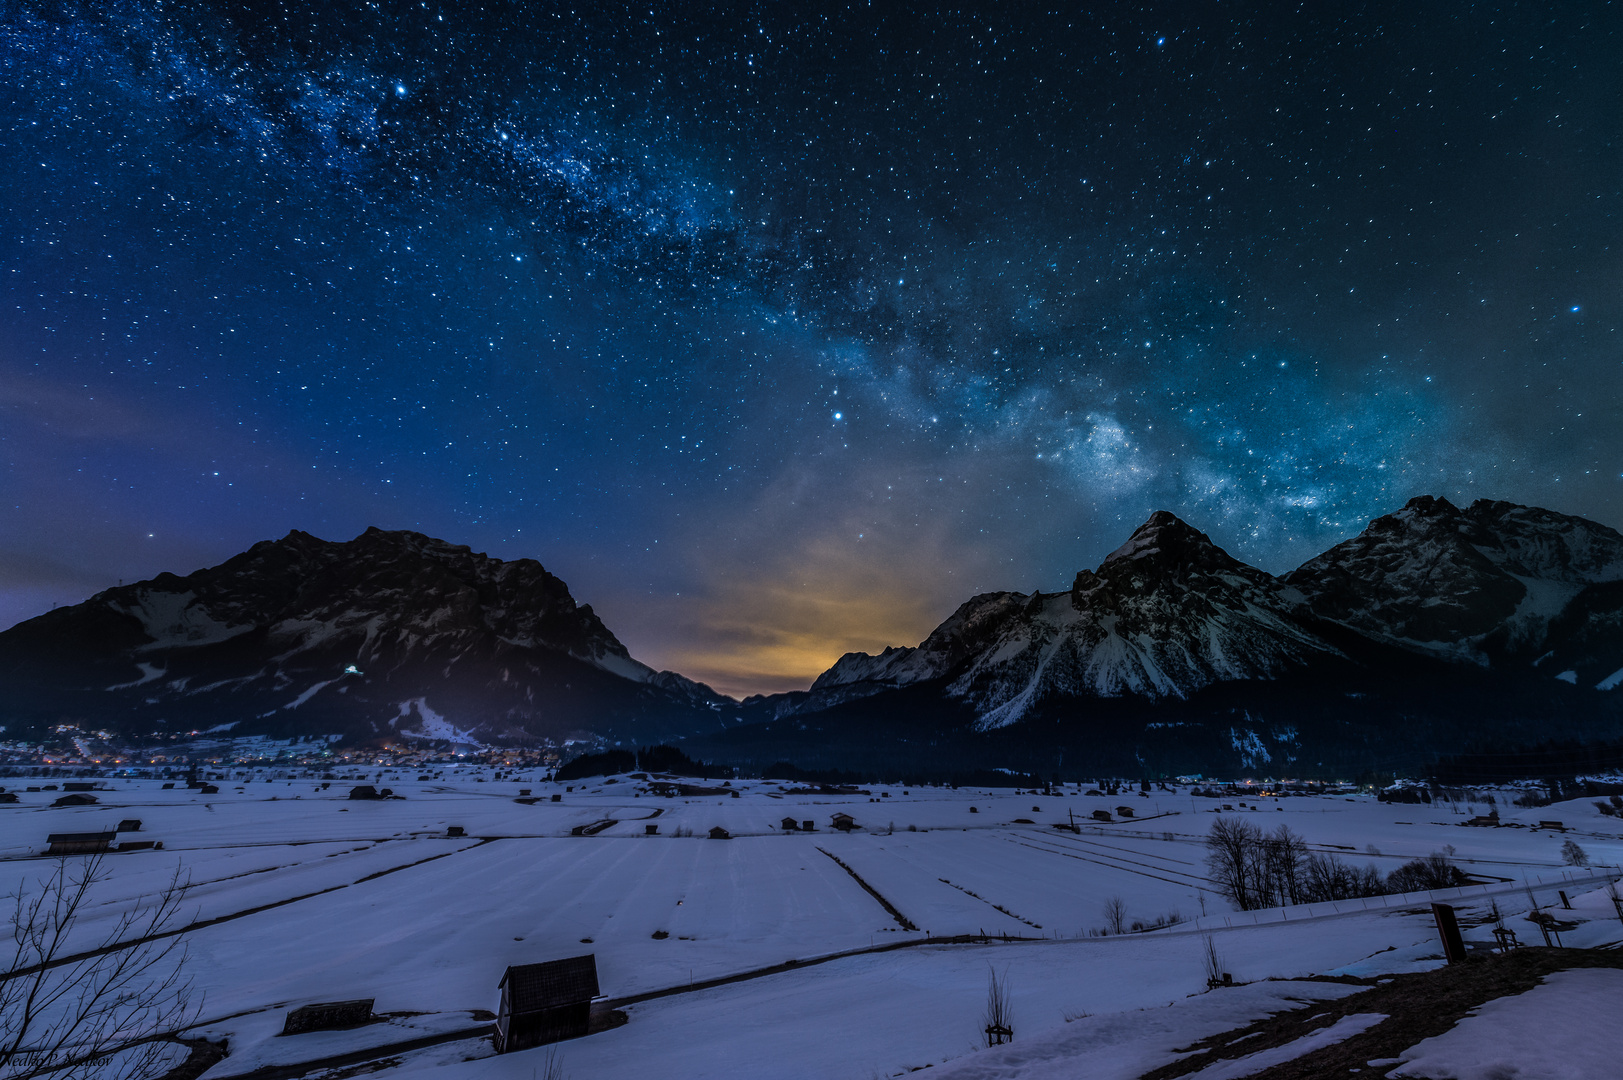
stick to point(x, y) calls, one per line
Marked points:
point(308, 694)
point(429, 725)
point(149, 672)
point(623, 666)
point(1611, 681)
point(1251, 748)
point(167, 616)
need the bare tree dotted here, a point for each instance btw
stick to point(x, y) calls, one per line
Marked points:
point(1233, 859)
point(71, 1007)
point(1282, 854)
point(1116, 915)
point(1326, 877)
point(1573, 855)
point(999, 1026)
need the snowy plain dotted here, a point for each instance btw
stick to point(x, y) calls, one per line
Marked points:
point(318, 897)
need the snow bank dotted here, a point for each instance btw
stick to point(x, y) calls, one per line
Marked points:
point(1564, 1029)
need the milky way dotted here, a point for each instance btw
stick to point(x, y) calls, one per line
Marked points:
point(781, 330)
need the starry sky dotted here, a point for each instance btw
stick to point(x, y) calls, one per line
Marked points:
point(779, 330)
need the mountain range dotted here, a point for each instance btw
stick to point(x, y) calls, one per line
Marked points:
point(392, 634)
point(1436, 629)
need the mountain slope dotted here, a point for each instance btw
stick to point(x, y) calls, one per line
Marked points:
point(1165, 615)
point(1492, 584)
point(392, 632)
point(1433, 630)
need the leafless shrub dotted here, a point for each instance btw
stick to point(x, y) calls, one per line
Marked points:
point(72, 1008)
point(999, 1025)
point(551, 1068)
point(1213, 963)
point(1432, 872)
point(1573, 855)
point(1116, 915)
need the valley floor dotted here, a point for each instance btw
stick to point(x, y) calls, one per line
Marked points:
point(309, 896)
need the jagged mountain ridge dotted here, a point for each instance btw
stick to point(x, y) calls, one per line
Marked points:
point(1171, 652)
point(1166, 614)
point(1170, 614)
point(392, 632)
point(1494, 583)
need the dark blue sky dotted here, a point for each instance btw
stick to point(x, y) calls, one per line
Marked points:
point(782, 330)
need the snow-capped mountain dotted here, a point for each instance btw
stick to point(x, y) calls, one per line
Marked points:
point(1165, 615)
point(1435, 630)
point(392, 632)
point(1492, 584)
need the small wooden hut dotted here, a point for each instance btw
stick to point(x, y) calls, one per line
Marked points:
point(843, 822)
point(789, 824)
point(545, 1003)
point(328, 1016)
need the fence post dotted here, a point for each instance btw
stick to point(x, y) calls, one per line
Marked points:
point(1449, 930)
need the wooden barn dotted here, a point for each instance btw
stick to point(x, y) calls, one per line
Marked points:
point(545, 1003)
point(843, 822)
point(789, 824)
point(79, 843)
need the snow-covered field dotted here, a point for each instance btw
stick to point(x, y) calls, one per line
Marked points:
point(315, 897)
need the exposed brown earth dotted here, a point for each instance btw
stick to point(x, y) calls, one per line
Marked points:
point(1416, 1007)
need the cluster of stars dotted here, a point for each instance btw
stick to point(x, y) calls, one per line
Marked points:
point(519, 275)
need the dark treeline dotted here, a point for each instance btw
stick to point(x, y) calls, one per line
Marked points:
point(989, 778)
point(1558, 763)
point(663, 759)
point(669, 759)
point(1254, 869)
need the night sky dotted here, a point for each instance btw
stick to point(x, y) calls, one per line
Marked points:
point(781, 330)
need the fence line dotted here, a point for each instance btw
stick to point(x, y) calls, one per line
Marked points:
point(1330, 908)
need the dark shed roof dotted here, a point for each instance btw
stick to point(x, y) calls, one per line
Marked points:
point(532, 987)
point(81, 838)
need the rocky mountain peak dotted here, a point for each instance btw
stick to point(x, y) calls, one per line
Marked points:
point(1164, 615)
point(1165, 545)
point(1473, 584)
point(394, 628)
